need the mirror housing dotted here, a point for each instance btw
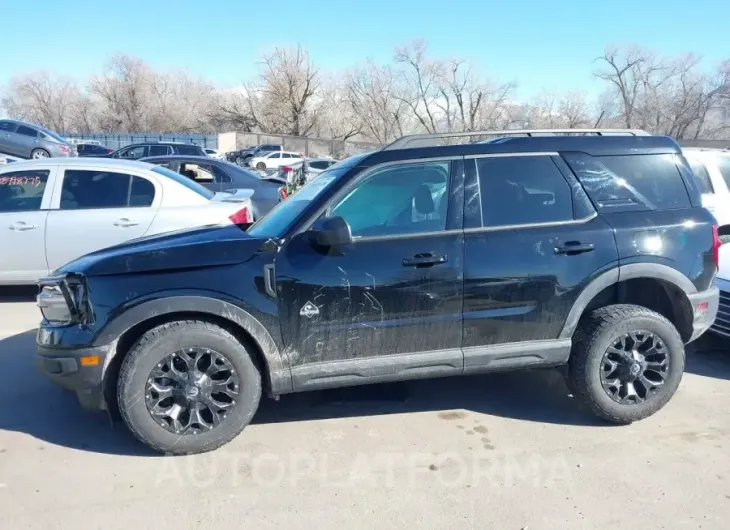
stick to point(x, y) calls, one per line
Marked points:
point(331, 232)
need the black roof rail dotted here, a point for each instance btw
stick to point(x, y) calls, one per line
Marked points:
point(425, 140)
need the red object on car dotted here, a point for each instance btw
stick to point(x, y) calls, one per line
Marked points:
point(242, 217)
point(716, 244)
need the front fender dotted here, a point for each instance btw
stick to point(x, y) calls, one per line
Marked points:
point(132, 315)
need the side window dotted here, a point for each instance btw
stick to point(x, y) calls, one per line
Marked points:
point(27, 131)
point(189, 150)
point(522, 190)
point(22, 191)
point(138, 151)
point(276, 155)
point(86, 189)
point(636, 182)
point(6, 126)
point(142, 192)
point(157, 150)
point(318, 164)
point(703, 178)
point(407, 199)
point(220, 175)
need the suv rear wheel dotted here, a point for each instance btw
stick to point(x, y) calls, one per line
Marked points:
point(626, 364)
point(188, 387)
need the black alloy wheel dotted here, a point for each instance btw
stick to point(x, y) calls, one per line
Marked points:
point(190, 391)
point(634, 367)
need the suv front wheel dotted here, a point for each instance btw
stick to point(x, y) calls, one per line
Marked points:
point(188, 387)
point(626, 364)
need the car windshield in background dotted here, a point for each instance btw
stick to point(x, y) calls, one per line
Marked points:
point(280, 218)
point(723, 164)
point(185, 181)
point(53, 135)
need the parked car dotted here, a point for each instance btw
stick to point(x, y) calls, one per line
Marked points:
point(143, 150)
point(93, 149)
point(219, 175)
point(712, 169)
point(314, 167)
point(721, 325)
point(79, 141)
point(258, 150)
point(274, 160)
point(213, 153)
point(400, 264)
point(59, 209)
point(26, 140)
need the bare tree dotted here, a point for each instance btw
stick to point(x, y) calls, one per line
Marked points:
point(289, 81)
point(418, 83)
point(371, 96)
point(42, 98)
point(124, 90)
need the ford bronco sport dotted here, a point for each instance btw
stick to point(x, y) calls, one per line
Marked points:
point(583, 249)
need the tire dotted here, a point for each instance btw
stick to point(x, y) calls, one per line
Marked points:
point(600, 330)
point(150, 352)
point(724, 239)
point(39, 153)
point(239, 161)
point(261, 166)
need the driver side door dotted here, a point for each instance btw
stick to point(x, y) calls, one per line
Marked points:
point(388, 306)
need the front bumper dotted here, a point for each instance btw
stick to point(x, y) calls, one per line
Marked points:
point(80, 370)
point(721, 326)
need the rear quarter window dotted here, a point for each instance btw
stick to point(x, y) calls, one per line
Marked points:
point(190, 150)
point(630, 182)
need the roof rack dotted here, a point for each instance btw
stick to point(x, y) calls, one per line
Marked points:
point(425, 140)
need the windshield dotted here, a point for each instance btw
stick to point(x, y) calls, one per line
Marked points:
point(185, 181)
point(275, 223)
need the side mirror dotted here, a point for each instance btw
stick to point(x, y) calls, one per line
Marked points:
point(331, 232)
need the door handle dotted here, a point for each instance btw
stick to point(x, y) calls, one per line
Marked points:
point(21, 226)
point(574, 247)
point(125, 223)
point(424, 260)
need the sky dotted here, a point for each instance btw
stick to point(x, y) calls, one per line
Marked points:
point(541, 45)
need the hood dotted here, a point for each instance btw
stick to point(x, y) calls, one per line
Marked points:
point(183, 249)
point(724, 271)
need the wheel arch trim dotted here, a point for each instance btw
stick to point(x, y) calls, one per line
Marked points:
point(278, 367)
point(654, 271)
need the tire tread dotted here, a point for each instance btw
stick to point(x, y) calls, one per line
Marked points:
point(140, 347)
point(588, 332)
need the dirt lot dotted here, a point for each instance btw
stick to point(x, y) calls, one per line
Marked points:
point(500, 451)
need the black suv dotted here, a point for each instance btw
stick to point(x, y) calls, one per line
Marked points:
point(589, 251)
point(142, 150)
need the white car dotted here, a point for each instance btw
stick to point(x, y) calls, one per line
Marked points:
point(712, 169)
point(275, 159)
point(57, 209)
point(213, 153)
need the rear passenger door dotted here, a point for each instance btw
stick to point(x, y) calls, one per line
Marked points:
point(532, 243)
point(95, 208)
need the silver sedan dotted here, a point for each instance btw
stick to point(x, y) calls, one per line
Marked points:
point(55, 210)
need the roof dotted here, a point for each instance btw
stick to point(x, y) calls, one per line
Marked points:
point(159, 158)
point(111, 163)
point(593, 145)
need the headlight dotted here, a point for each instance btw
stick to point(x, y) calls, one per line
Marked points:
point(63, 301)
point(53, 305)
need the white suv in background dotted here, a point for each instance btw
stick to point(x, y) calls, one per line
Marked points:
point(712, 168)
